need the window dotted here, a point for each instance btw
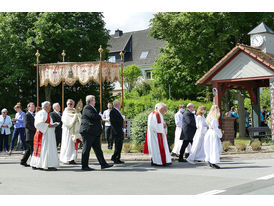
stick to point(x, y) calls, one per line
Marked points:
point(148, 74)
point(112, 59)
point(144, 55)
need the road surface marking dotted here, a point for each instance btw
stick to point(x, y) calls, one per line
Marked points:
point(266, 177)
point(212, 192)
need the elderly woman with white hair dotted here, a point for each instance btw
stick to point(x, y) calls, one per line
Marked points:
point(71, 125)
point(5, 125)
point(45, 154)
point(156, 144)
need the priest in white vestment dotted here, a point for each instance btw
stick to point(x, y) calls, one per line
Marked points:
point(45, 154)
point(70, 135)
point(156, 138)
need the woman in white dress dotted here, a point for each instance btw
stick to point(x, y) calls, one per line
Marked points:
point(212, 143)
point(71, 119)
point(197, 150)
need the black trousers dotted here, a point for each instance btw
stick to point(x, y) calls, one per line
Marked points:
point(28, 152)
point(118, 147)
point(58, 136)
point(108, 136)
point(4, 139)
point(183, 148)
point(94, 142)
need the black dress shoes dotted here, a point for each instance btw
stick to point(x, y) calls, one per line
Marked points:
point(24, 164)
point(216, 166)
point(51, 169)
point(182, 160)
point(34, 168)
point(87, 169)
point(106, 166)
point(72, 162)
point(118, 162)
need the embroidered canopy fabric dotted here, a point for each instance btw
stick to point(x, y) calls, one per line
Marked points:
point(84, 72)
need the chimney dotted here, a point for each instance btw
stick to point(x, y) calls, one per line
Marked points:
point(118, 33)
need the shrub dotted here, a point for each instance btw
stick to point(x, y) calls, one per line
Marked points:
point(226, 145)
point(142, 87)
point(140, 148)
point(127, 147)
point(256, 145)
point(139, 127)
point(241, 146)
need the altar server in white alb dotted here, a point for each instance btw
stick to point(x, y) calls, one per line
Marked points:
point(71, 119)
point(45, 154)
point(156, 138)
point(212, 143)
point(197, 149)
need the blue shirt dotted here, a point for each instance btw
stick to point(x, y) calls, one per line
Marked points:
point(234, 114)
point(262, 116)
point(20, 120)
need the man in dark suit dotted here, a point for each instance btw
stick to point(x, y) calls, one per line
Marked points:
point(57, 117)
point(188, 129)
point(30, 132)
point(91, 129)
point(117, 120)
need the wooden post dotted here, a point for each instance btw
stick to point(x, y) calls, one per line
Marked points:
point(271, 86)
point(63, 86)
point(37, 78)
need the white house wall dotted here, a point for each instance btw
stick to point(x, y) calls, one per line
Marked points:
point(242, 66)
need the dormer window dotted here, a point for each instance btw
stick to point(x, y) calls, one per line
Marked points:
point(144, 55)
point(112, 59)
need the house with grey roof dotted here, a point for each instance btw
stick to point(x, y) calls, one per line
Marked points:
point(139, 49)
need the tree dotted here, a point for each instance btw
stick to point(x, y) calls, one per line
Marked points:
point(131, 74)
point(194, 43)
point(21, 34)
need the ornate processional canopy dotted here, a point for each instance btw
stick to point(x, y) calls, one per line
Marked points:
point(84, 72)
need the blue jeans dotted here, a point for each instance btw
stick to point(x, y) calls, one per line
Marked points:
point(15, 134)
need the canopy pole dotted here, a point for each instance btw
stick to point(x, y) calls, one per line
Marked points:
point(37, 79)
point(63, 87)
point(100, 50)
point(122, 65)
point(100, 78)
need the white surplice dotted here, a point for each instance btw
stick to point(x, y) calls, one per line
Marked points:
point(157, 151)
point(48, 154)
point(70, 132)
point(212, 143)
point(197, 148)
point(177, 142)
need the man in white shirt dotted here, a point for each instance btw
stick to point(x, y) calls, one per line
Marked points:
point(106, 119)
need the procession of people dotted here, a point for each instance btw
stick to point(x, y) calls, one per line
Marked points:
point(42, 132)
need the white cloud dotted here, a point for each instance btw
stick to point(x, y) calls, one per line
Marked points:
point(127, 21)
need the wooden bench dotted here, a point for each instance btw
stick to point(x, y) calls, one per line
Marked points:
point(258, 133)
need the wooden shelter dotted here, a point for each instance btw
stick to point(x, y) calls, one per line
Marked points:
point(246, 67)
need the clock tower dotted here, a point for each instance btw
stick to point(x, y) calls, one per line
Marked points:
point(262, 37)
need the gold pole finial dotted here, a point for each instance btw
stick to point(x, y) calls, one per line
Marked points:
point(100, 49)
point(63, 53)
point(37, 53)
point(121, 54)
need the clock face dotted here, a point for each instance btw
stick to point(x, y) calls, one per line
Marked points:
point(257, 41)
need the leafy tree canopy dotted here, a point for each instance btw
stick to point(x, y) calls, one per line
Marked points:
point(194, 43)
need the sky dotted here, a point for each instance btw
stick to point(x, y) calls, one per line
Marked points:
point(127, 21)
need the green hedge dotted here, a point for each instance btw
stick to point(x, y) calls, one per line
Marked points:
point(139, 127)
point(134, 106)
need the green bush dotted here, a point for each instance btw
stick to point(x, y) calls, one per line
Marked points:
point(127, 147)
point(226, 145)
point(140, 148)
point(142, 87)
point(256, 145)
point(241, 146)
point(139, 127)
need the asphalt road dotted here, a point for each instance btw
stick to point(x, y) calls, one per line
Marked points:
point(236, 177)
